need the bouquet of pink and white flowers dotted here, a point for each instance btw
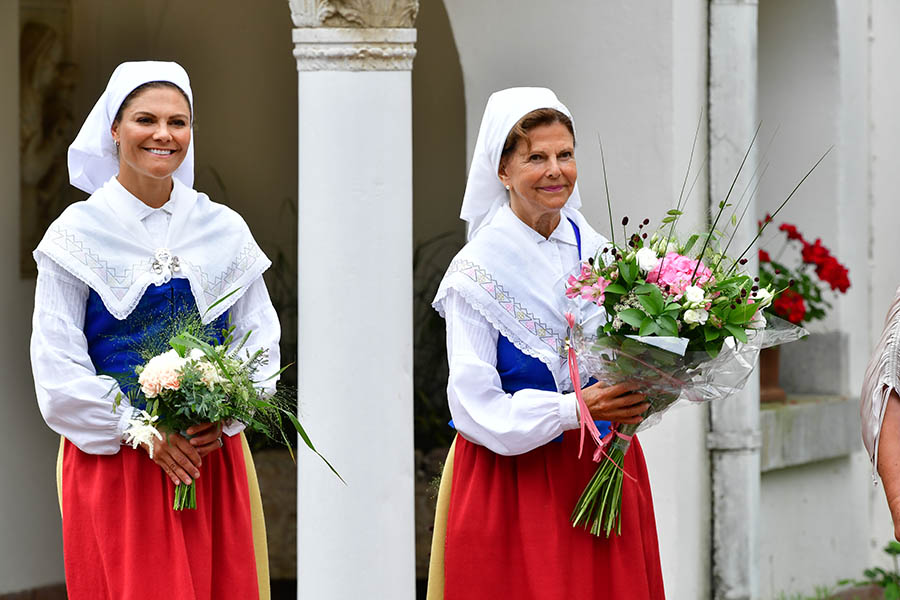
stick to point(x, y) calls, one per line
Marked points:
point(200, 381)
point(679, 320)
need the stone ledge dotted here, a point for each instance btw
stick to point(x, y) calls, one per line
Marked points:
point(806, 429)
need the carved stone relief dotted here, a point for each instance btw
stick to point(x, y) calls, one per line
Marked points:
point(47, 82)
point(344, 49)
point(355, 13)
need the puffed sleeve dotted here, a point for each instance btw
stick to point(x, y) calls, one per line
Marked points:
point(74, 401)
point(254, 312)
point(483, 413)
point(882, 377)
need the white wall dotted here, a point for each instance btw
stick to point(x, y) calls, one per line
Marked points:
point(884, 248)
point(814, 526)
point(644, 99)
point(799, 95)
point(814, 83)
point(30, 538)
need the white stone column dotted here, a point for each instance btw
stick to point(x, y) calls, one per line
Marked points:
point(734, 438)
point(355, 297)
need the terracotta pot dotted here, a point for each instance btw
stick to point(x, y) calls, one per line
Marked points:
point(769, 389)
point(863, 592)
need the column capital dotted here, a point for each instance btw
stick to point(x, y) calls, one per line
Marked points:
point(354, 35)
point(389, 14)
point(354, 49)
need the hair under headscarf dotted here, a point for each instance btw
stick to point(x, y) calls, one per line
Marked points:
point(92, 157)
point(484, 192)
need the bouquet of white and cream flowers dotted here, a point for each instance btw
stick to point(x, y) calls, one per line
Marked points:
point(200, 381)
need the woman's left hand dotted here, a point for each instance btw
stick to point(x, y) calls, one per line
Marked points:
point(206, 437)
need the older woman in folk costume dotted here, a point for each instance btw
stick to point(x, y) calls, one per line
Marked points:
point(513, 475)
point(112, 270)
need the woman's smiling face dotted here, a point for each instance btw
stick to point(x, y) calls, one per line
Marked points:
point(541, 173)
point(153, 134)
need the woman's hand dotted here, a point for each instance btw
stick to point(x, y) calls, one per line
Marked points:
point(176, 457)
point(617, 403)
point(206, 437)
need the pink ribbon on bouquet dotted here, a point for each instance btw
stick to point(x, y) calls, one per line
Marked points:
point(584, 412)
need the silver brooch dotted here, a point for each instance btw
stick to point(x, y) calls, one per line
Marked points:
point(164, 261)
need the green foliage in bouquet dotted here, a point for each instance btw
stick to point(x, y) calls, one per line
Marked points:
point(189, 377)
point(693, 293)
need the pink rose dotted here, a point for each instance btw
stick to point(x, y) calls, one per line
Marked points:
point(675, 272)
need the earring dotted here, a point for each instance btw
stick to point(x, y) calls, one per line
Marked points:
point(507, 187)
point(117, 144)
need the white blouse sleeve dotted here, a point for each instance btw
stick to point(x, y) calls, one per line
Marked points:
point(74, 400)
point(254, 312)
point(483, 413)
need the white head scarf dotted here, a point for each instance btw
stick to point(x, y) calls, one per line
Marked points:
point(93, 158)
point(484, 192)
point(501, 273)
point(109, 248)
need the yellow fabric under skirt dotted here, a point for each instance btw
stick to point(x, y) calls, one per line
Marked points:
point(439, 537)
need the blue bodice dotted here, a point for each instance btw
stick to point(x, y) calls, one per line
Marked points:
point(114, 346)
point(518, 371)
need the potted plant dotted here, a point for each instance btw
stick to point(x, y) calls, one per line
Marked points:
point(807, 273)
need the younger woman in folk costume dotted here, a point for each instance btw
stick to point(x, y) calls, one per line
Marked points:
point(503, 524)
point(113, 271)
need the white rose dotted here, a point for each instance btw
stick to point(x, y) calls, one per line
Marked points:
point(646, 259)
point(762, 296)
point(694, 294)
point(696, 316)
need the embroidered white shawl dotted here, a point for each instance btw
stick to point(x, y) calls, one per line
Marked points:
point(503, 276)
point(207, 243)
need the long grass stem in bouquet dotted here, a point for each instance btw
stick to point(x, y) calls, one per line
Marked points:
point(679, 320)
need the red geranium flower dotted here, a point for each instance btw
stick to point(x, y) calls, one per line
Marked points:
point(791, 231)
point(789, 305)
point(815, 254)
point(814, 257)
point(834, 274)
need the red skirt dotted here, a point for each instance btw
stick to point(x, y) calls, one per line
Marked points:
point(509, 534)
point(123, 541)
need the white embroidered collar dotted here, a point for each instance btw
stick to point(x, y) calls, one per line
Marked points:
point(102, 242)
point(503, 275)
point(564, 232)
point(130, 206)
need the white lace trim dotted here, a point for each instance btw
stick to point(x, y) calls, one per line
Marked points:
point(496, 317)
point(122, 292)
